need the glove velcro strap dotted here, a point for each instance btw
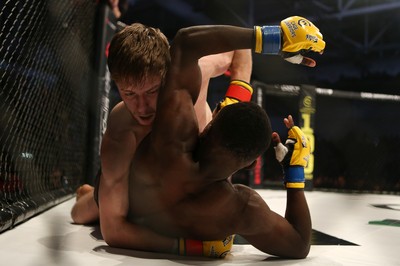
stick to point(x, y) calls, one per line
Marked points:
point(257, 39)
point(189, 247)
point(294, 174)
point(239, 90)
point(295, 185)
point(267, 39)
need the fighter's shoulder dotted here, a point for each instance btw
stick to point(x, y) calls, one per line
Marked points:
point(119, 111)
point(120, 122)
point(247, 196)
point(242, 190)
point(120, 118)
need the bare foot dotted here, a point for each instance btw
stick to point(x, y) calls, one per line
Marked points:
point(82, 190)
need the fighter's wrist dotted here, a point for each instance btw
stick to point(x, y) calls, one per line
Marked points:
point(299, 185)
point(238, 91)
point(190, 247)
point(294, 177)
point(267, 39)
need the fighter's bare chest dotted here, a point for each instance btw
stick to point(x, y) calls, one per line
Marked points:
point(153, 189)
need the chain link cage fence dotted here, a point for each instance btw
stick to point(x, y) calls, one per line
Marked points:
point(46, 72)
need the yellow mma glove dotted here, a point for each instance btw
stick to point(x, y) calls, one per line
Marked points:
point(294, 37)
point(300, 36)
point(210, 249)
point(294, 157)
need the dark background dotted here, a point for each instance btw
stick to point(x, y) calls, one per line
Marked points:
point(362, 36)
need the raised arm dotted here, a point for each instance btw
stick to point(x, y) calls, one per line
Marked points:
point(237, 63)
point(294, 37)
point(242, 65)
point(174, 120)
point(210, 66)
point(291, 235)
point(291, 39)
point(190, 44)
point(239, 89)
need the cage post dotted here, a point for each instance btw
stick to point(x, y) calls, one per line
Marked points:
point(307, 109)
point(99, 100)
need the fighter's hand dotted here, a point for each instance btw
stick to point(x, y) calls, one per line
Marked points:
point(300, 36)
point(293, 155)
point(289, 123)
point(280, 149)
point(295, 37)
point(114, 7)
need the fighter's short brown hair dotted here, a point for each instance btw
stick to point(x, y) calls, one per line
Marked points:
point(138, 52)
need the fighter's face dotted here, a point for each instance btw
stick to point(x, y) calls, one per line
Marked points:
point(141, 100)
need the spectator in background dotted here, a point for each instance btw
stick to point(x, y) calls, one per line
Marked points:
point(118, 7)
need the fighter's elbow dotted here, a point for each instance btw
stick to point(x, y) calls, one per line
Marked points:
point(182, 39)
point(189, 40)
point(109, 233)
point(112, 240)
point(300, 252)
point(184, 34)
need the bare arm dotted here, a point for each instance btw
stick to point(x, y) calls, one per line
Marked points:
point(291, 236)
point(242, 65)
point(183, 81)
point(270, 232)
point(210, 66)
point(118, 147)
point(238, 62)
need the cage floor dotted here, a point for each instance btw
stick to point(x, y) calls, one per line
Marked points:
point(348, 229)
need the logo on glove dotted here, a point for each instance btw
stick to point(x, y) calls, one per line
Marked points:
point(227, 240)
point(292, 27)
point(304, 23)
point(312, 38)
